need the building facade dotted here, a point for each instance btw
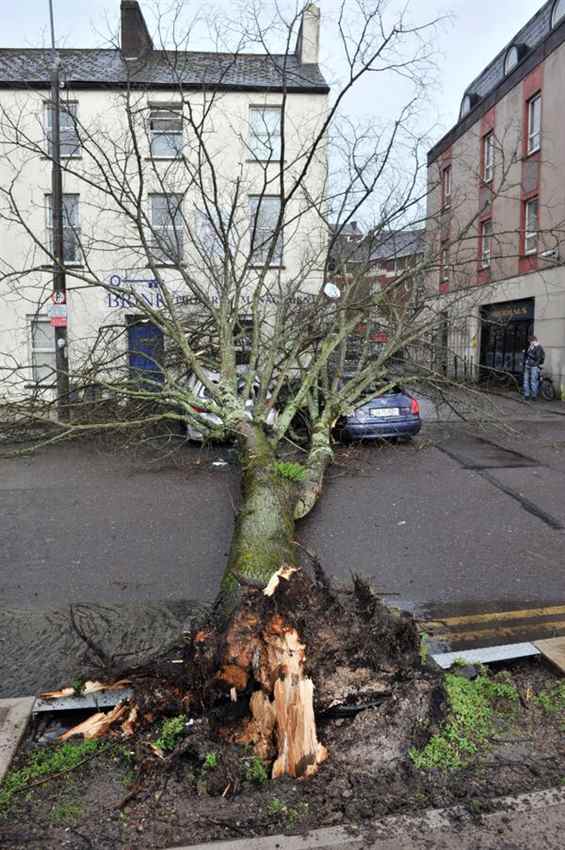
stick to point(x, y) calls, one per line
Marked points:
point(168, 157)
point(496, 207)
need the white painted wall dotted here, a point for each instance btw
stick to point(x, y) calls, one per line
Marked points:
point(109, 240)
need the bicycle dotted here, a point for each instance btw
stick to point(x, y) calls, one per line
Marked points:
point(546, 388)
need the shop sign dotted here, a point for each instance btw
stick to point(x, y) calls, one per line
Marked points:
point(509, 311)
point(136, 292)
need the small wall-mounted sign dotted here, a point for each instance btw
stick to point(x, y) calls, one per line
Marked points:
point(57, 311)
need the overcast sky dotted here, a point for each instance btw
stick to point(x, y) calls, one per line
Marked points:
point(475, 32)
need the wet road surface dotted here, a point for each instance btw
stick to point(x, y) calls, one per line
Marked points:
point(459, 522)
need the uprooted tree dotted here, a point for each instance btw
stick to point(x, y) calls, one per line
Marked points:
point(220, 241)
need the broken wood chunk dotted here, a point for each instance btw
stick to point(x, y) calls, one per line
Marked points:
point(97, 725)
point(88, 688)
point(284, 572)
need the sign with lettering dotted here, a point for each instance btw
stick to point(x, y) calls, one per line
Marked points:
point(57, 314)
point(508, 311)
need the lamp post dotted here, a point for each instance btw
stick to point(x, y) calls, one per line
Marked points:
point(59, 297)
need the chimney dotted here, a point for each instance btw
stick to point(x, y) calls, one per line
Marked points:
point(308, 42)
point(135, 40)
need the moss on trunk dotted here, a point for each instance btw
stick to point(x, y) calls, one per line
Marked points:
point(264, 526)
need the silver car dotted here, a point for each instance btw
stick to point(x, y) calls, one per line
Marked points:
point(200, 391)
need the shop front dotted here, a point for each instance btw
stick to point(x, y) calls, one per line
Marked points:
point(505, 328)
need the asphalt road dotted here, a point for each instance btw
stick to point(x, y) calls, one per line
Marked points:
point(460, 520)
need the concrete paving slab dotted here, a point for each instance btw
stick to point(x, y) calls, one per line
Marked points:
point(535, 821)
point(554, 650)
point(14, 716)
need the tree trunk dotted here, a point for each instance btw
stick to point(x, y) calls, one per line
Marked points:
point(264, 527)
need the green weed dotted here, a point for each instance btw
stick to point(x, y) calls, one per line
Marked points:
point(552, 699)
point(64, 814)
point(43, 763)
point(172, 731)
point(291, 814)
point(424, 649)
point(255, 771)
point(289, 470)
point(210, 761)
point(473, 707)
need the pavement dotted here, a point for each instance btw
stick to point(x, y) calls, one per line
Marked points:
point(530, 822)
point(468, 518)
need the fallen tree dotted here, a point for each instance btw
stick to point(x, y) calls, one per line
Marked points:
point(271, 357)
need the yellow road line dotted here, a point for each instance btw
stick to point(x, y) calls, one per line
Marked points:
point(509, 631)
point(497, 615)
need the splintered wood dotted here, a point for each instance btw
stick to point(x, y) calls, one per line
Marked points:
point(282, 720)
point(299, 751)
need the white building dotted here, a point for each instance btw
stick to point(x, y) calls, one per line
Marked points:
point(162, 151)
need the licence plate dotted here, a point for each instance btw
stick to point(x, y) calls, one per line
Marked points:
point(381, 412)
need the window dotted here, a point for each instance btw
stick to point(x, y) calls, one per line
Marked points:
point(488, 157)
point(444, 270)
point(70, 142)
point(264, 214)
point(71, 228)
point(166, 136)
point(43, 362)
point(446, 186)
point(466, 105)
point(265, 132)
point(486, 243)
point(534, 124)
point(531, 226)
point(167, 227)
point(557, 13)
point(511, 59)
point(209, 234)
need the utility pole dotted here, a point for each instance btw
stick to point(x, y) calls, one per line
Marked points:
point(58, 251)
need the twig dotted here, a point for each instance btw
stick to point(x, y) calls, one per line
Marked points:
point(58, 774)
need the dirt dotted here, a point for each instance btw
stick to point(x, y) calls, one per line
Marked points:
point(207, 788)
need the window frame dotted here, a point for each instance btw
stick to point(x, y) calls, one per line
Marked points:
point(64, 110)
point(531, 234)
point(488, 157)
point(73, 228)
point(533, 141)
point(165, 258)
point(514, 52)
point(256, 140)
point(166, 113)
point(486, 246)
point(277, 259)
point(555, 18)
point(446, 186)
point(41, 351)
point(444, 275)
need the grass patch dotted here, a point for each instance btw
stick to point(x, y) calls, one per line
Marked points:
point(291, 814)
point(289, 470)
point(65, 814)
point(172, 730)
point(552, 700)
point(255, 771)
point(43, 763)
point(473, 709)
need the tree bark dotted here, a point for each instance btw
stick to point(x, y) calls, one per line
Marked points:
point(264, 526)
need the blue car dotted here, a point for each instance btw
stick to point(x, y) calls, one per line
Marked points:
point(395, 413)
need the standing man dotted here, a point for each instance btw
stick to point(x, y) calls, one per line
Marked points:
point(534, 357)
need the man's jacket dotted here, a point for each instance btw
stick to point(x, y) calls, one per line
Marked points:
point(535, 356)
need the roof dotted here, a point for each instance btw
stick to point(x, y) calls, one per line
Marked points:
point(81, 68)
point(384, 245)
point(396, 244)
point(535, 40)
point(531, 34)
